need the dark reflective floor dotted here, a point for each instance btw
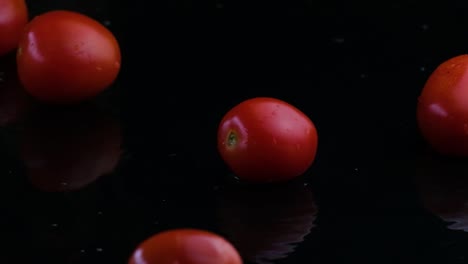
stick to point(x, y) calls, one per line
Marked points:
point(86, 184)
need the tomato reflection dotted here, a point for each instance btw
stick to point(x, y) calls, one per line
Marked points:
point(266, 223)
point(443, 187)
point(67, 149)
point(13, 98)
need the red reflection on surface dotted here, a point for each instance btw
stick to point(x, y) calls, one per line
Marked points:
point(13, 98)
point(267, 223)
point(443, 189)
point(67, 149)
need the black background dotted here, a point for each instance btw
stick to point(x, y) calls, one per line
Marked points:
point(379, 194)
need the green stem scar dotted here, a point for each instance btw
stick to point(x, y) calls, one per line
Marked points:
point(231, 139)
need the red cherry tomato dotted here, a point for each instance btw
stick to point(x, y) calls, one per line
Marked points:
point(13, 19)
point(442, 110)
point(67, 57)
point(185, 246)
point(267, 140)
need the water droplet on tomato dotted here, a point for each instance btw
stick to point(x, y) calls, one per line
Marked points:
point(275, 141)
point(117, 64)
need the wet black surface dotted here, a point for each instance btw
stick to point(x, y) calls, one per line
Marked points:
point(86, 184)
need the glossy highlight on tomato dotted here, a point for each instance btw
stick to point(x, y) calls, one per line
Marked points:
point(13, 18)
point(442, 110)
point(267, 140)
point(185, 246)
point(67, 57)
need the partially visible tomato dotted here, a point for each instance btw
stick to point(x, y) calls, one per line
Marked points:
point(267, 140)
point(442, 111)
point(68, 149)
point(13, 19)
point(67, 57)
point(185, 246)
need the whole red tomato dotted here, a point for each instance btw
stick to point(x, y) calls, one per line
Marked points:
point(67, 57)
point(185, 246)
point(442, 110)
point(13, 19)
point(267, 140)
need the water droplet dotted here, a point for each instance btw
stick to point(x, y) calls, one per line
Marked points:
point(306, 183)
point(98, 68)
point(106, 23)
point(117, 64)
point(356, 169)
point(64, 183)
point(82, 251)
point(54, 225)
point(422, 68)
point(99, 213)
point(275, 141)
point(99, 249)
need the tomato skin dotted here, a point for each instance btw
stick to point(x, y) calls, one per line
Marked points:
point(267, 140)
point(13, 19)
point(442, 110)
point(185, 246)
point(67, 57)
